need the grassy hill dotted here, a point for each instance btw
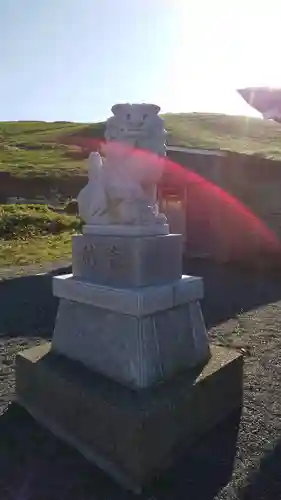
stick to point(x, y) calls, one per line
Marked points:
point(54, 149)
point(36, 150)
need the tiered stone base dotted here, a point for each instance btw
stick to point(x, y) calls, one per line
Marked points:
point(132, 435)
point(129, 379)
point(137, 336)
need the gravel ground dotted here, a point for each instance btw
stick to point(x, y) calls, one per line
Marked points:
point(233, 462)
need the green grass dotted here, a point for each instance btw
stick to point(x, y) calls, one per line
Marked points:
point(23, 221)
point(33, 234)
point(43, 149)
point(35, 250)
point(232, 133)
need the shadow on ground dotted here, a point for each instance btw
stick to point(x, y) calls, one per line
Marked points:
point(230, 290)
point(28, 307)
point(34, 464)
point(265, 482)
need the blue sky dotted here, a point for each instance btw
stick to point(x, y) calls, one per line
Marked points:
point(73, 59)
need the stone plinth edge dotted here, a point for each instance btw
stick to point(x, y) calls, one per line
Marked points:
point(134, 301)
point(126, 230)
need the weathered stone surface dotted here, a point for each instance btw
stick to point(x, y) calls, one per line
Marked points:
point(131, 435)
point(127, 261)
point(138, 302)
point(126, 230)
point(137, 352)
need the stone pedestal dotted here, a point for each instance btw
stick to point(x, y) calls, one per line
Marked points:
point(129, 378)
point(127, 261)
point(137, 336)
point(132, 435)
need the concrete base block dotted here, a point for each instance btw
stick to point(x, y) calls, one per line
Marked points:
point(132, 435)
point(127, 261)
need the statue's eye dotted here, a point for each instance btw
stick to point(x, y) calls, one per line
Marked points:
point(128, 116)
point(144, 116)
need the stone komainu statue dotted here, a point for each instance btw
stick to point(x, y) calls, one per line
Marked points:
point(122, 188)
